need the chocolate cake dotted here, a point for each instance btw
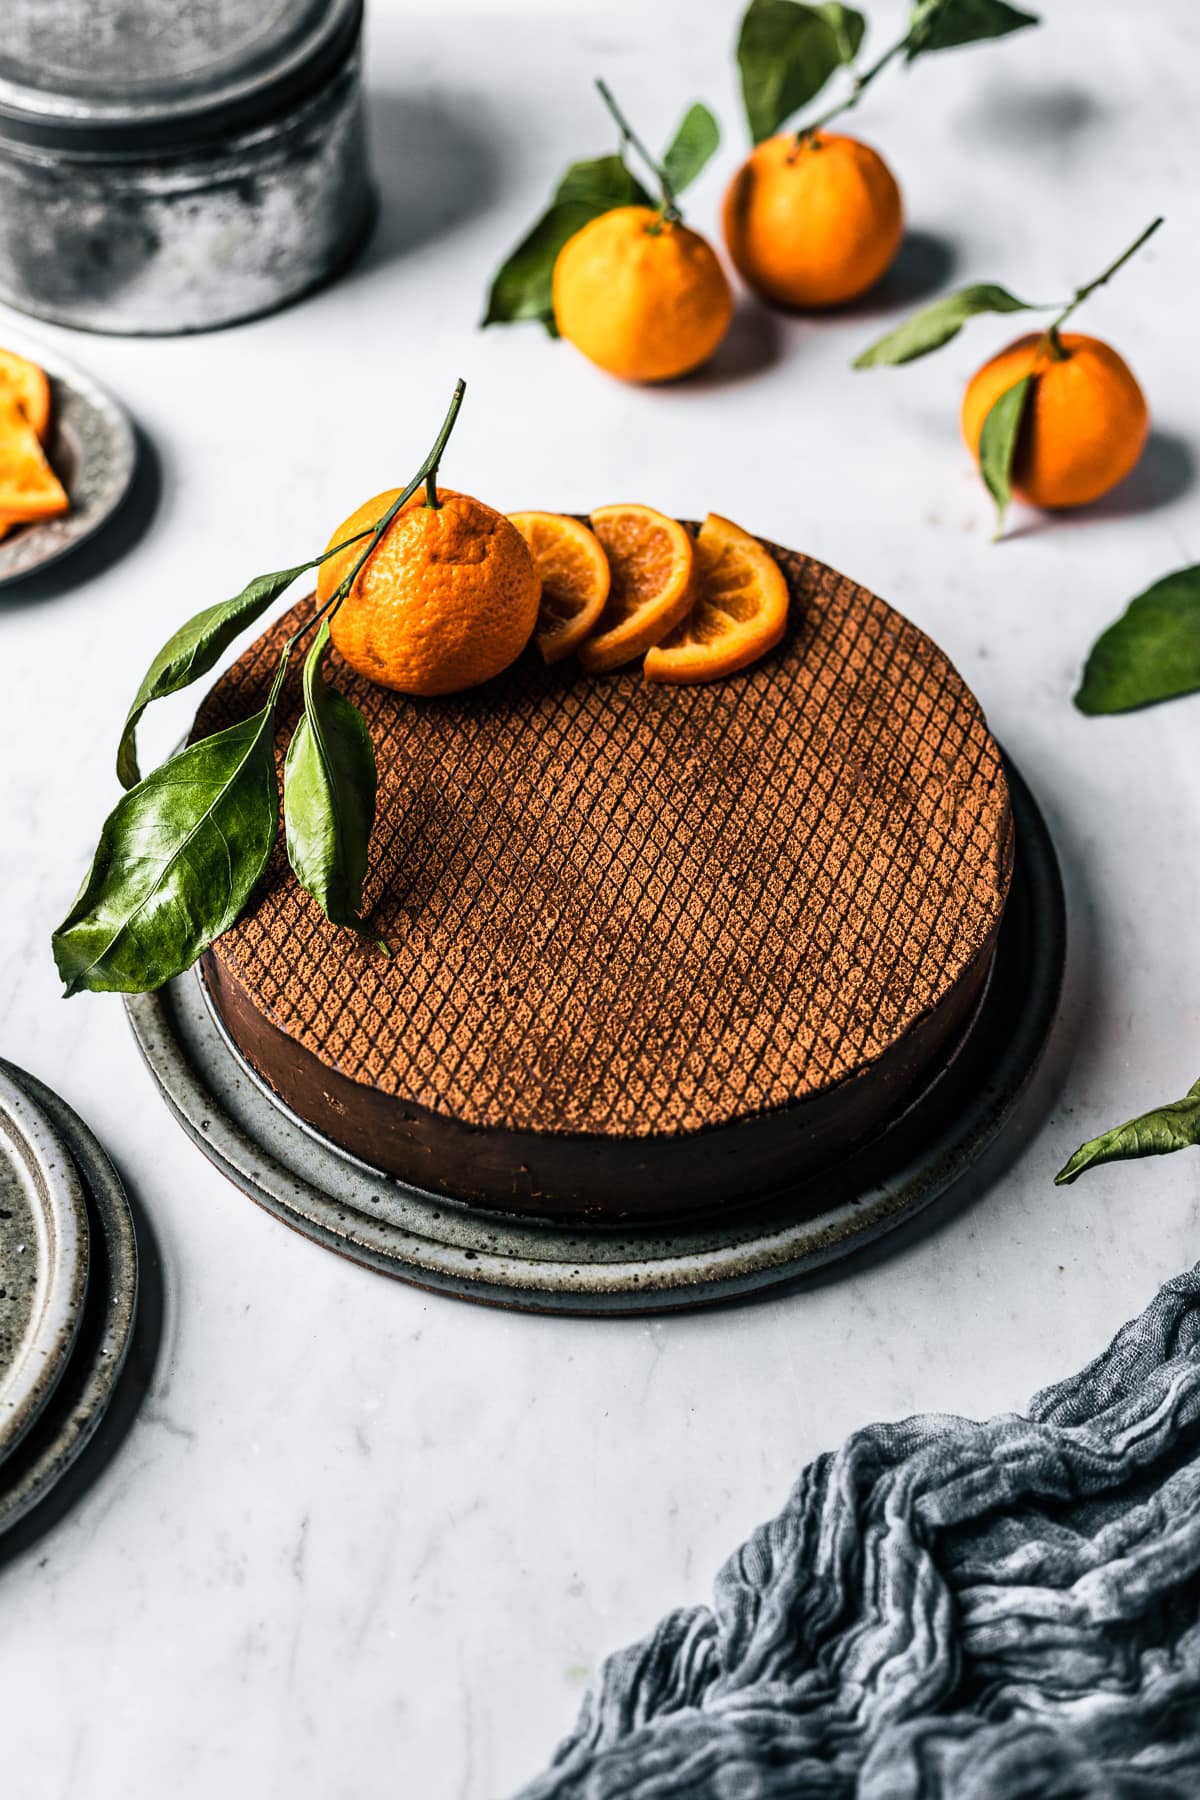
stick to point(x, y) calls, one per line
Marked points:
point(653, 949)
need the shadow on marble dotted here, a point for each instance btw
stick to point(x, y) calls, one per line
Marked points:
point(1165, 473)
point(123, 532)
point(123, 1408)
point(1030, 118)
point(434, 170)
point(753, 343)
point(926, 264)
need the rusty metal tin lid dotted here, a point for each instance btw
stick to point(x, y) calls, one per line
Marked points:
point(99, 76)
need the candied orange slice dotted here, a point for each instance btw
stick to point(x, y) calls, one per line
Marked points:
point(652, 563)
point(740, 611)
point(22, 381)
point(575, 579)
point(29, 488)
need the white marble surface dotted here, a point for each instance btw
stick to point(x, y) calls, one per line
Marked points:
point(362, 1540)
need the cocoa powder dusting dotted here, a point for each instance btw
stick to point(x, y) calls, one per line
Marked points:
point(623, 909)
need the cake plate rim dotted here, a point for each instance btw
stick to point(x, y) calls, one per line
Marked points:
point(532, 1265)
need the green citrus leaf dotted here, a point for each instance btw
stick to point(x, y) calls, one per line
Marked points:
point(1151, 653)
point(935, 325)
point(1157, 1133)
point(195, 648)
point(849, 28)
point(329, 786)
point(178, 858)
point(522, 285)
point(945, 24)
point(689, 151)
point(787, 52)
point(998, 444)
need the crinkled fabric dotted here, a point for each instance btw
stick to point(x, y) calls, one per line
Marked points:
point(944, 1608)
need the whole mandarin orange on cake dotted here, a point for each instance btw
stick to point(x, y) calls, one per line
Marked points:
point(1085, 422)
point(641, 295)
point(447, 599)
point(813, 219)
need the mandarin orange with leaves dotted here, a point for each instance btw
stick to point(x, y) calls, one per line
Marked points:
point(1057, 417)
point(618, 274)
point(447, 599)
point(1084, 424)
point(814, 218)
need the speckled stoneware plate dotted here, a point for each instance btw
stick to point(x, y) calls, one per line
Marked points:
point(66, 1426)
point(501, 1260)
point(44, 1243)
point(93, 451)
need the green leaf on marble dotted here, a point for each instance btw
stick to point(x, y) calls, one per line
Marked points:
point(1156, 1133)
point(1151, 653)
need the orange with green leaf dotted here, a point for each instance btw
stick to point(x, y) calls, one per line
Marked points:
point(814, 218)
point(1057, 418)
point(615, 270)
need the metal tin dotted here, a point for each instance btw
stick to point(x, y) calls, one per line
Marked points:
point(174, 168)
point(532, 1266)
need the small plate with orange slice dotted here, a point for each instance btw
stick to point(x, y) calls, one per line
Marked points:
point(67, 455)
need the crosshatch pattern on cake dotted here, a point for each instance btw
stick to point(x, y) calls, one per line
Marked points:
point(618, 908)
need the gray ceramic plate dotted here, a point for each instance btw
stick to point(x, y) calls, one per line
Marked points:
point(43, 1261)
point(65, 1427)
point(93, 450)
point(310, 1184)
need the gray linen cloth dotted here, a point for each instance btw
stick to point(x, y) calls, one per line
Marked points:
point(945, 1608)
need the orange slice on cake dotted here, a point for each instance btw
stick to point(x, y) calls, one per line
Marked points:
point(575, 579)
point(652, 564)
point(740, 609)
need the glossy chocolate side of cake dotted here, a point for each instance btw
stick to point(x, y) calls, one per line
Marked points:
point(596, 1178)
point(653, 948)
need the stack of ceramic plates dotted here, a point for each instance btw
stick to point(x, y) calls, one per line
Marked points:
point(68, 1289)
